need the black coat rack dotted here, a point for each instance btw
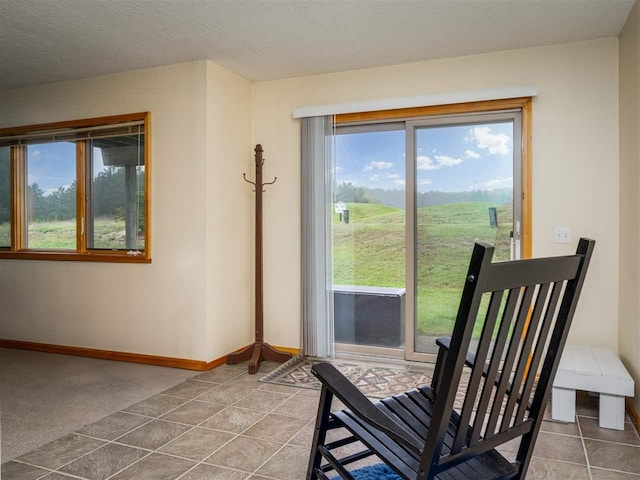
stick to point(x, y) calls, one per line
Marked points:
point(259, 350)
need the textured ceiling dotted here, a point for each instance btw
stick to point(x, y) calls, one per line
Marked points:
point(44, 41)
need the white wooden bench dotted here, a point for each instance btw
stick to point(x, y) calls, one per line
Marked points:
point(593, 369)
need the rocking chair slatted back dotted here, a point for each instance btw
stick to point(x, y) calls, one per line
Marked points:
point(500, 361)
point(497, 398)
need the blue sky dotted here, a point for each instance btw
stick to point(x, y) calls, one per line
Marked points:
point(53, 165)
point(449, 159)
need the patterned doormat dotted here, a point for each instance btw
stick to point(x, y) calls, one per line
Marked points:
point(373, 380)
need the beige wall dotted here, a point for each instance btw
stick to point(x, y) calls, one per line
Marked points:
point(166, 307)
point(629, 343)
point(575, 161)
point(230, 208)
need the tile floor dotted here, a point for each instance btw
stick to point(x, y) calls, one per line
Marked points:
point(227, 425)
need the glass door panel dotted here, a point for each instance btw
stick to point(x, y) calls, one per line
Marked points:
point(464, 192)
point(369, 239)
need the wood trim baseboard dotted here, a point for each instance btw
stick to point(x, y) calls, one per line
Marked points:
point(111, 355)
point(183, 363)
point(633, 413)
point(291, 350)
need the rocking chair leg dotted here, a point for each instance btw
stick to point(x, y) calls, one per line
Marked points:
point(320, 432)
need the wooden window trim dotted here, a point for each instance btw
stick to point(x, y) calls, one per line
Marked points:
point(522, 103)
point(17, 251)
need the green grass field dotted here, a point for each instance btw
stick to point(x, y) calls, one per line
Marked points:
point(370, 251)
point(61, 235)
point(5, 235)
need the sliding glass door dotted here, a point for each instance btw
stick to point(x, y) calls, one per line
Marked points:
point(410, 198)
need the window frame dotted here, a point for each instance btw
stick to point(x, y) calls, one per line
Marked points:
point(18, 249)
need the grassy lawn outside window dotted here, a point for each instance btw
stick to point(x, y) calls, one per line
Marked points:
point(76, 190)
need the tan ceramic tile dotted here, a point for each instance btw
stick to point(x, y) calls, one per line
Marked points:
point(61, 451)
point(284, 389)
point(156, 405)
point(193, 413)
point(261, 400)
point(20, 471)
point(212, 472)
point(599, 474)
point(114, 426)
point(591, 429)
point(560, 427)
point(228, 393)
point(613, 456)
point(299, 406)
point(220, 374)
point(309, 392)
point(289, 463)
point(154, 434)
point(104, 462)
point(189, 389)
point(560, 447)
point(304, 438)
point(244, 453)
point(233, 419)
point(277, 428)
point(156, 467)
point(546, 469)
point(197, 444)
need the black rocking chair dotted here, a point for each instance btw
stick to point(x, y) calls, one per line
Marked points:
point(522, 312)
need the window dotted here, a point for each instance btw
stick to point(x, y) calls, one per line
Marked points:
point(76, 190)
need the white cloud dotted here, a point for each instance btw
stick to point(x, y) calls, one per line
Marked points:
point(425, 163)
point(400, 182)
point(337, 168)
point(495, 143)
point(375, 178)
point(425, 182)
point(499, 182)
point(471, 154)
point(374, 165)
point(393, 175)
point(445, 161)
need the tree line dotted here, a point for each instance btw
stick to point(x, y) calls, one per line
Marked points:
point(60, 204)
point(348, 193)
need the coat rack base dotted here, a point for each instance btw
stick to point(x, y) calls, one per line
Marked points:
point(256, 353)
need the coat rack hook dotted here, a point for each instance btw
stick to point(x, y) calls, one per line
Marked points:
point(244, 175)
point(269, 183)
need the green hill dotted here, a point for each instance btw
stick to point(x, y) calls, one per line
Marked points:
point(370, 251)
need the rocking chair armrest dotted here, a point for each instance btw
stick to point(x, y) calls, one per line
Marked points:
point(470, 360)
point(362, 407)
point(445, 342)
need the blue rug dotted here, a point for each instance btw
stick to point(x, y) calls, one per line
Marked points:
point(378, 471)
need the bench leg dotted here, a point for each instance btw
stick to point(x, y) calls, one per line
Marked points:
point(563, 404)
point(611, 411)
